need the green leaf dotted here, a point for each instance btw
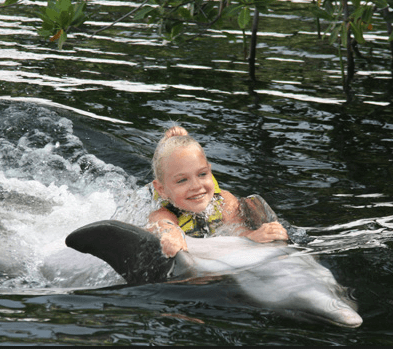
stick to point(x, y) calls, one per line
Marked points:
point(62, 40)
point(49, 26)
point(52, 14)
point(343, 34)
point(320, 13)
point(64, 5)
point(356, 3)
point(391, 36)
point(368, 14)
point(143, 12)
point(78, 20)
point(53, 5)
point(334, 35)
point(167, 27)
point(358, 33)
point(184, 13)
point(176, 30)
point(244, 17)
point(9, 2)
point(79, 16)
point(65, 19)
point(357, 13)
point(381, 3)
point(41, 14)
point(44, 33)
point(231, 10)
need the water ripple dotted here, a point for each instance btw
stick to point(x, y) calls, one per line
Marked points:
point(301, 97)
point(62, 106)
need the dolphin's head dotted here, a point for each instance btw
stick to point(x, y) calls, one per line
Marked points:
point(324, 309)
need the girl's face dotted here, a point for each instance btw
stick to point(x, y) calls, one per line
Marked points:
point(187, 180)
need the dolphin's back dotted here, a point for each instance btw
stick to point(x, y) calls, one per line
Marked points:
point(227, 253)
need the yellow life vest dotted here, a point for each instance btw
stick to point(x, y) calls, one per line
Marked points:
point(198, 225)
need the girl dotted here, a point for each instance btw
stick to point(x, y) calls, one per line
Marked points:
point(192, 201)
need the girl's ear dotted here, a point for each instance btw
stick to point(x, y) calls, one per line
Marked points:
point(159, 188)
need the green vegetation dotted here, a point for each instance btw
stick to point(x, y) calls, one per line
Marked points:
point(58, 17)
point(181, 20)
point(347, 25)
point(8, 3)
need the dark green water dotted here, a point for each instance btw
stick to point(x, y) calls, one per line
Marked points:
point(78, 129)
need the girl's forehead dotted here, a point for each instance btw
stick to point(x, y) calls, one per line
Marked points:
point(190, 150)
point(181, 155)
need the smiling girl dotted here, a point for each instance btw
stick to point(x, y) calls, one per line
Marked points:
point(192, 202)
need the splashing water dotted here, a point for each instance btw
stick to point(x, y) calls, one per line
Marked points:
point(49, 186)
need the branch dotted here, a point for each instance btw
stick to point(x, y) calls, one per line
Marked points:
point(120, 19)
point(205, 24)
point(180, 5)
point(208, 25)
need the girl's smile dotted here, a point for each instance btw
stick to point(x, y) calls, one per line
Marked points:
point(188, 182)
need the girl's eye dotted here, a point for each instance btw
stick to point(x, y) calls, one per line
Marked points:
point(181, 180)
point(203, 174)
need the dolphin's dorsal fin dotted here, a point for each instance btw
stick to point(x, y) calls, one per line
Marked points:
point(132, 252)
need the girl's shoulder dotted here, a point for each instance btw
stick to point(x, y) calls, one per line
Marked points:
point(162, 213)
point(230, 206)
point(228, 197)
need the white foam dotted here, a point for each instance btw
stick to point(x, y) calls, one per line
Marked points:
point(36, 234)
point(49, 186)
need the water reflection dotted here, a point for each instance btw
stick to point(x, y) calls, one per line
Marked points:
point(301, 97)
point(123, 40)
point(50, 103)
point(23, 55)
point(285, 59)
point(70, 84)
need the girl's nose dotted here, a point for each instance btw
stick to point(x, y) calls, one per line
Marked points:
point(196, 183)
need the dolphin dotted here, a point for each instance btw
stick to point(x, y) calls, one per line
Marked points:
point(273, 276)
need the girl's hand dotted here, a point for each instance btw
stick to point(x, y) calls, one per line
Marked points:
point(163, 224)
point(172, 242)
point(268, 232)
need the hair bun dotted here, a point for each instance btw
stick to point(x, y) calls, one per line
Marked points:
point(176, 131)
point(173, 138)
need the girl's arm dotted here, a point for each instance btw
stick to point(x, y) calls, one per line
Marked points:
point(163, 224)
point(267, 232)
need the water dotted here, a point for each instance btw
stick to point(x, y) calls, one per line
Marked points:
point(78, 129)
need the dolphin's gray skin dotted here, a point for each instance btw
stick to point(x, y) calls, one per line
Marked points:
point(273, 275)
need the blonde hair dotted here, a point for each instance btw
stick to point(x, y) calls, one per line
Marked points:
point(174, 138)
